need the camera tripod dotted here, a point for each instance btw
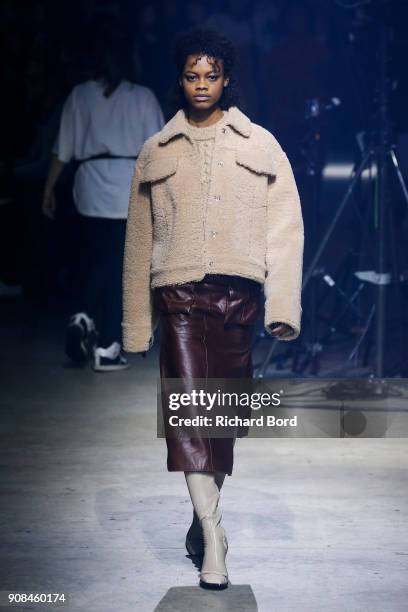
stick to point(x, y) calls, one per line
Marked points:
point(381, 156)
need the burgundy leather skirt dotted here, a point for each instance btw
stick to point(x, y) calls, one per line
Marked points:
point(206, 330)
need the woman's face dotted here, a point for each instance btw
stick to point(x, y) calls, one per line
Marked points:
point(203, 81)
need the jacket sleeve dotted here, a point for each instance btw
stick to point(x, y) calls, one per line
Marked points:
point(64, 145)
point(139, 322)
point(284, 256)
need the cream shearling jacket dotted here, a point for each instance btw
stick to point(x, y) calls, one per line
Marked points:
point(250, 226)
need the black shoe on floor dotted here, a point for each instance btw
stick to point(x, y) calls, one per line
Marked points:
point(81, 338)
point(109, 359)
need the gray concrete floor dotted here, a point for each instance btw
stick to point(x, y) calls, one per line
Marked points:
point(88, 508)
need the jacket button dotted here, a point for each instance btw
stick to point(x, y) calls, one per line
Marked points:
point(210, 263)
point(217, 197)
point(220, 163)
point(213, 234)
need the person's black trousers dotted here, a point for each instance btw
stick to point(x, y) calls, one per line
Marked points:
point(101, 243)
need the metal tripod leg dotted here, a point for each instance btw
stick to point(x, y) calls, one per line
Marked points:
point(336, 217)
point(399, 174)
point(321, 248)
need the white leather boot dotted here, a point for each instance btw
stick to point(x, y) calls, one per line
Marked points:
point(205, 496)
point(194, 537)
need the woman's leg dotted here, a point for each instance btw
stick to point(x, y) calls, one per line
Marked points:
point(194, 537)
point(111, 315)
point(197, 344)
point(91, 265)
point(81, 334)
point(205, 495)
point(219, 479)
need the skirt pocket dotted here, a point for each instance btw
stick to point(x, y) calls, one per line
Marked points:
point(174, 299)
point(243, 307)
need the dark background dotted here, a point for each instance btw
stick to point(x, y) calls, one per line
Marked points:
point(288, 53)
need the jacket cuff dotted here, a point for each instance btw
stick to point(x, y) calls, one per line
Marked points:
point(282, 313)
point(137, 339)
point(292, 336)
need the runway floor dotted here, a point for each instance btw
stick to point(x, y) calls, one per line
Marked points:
point(88, 508)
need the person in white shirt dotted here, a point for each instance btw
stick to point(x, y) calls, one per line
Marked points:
point(104, 123)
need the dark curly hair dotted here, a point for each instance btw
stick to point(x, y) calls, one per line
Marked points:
point(209, 42)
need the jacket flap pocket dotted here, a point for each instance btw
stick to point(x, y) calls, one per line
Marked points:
point(158, 169)
point(256, 160)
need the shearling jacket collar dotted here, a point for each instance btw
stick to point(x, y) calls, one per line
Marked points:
point(177, 124)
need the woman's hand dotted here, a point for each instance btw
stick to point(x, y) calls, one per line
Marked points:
point(48, 206)
point(280, 330)
point(49, 203)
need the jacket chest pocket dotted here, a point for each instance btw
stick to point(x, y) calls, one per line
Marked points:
point(161, 173)
point(254, 169)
